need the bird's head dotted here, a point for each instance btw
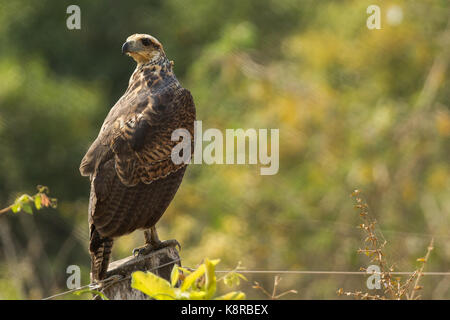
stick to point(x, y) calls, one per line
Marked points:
point(143, 48)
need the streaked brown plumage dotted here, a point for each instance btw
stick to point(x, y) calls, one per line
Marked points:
point(133, 178)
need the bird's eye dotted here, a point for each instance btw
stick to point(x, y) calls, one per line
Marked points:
point(146, 42)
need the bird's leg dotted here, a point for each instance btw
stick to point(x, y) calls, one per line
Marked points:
point(151, 238)
point(148, 235)
point(152, 243)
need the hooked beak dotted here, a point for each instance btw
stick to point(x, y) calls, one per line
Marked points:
point(126, 47)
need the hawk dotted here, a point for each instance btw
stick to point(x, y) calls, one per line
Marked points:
point(133, 178)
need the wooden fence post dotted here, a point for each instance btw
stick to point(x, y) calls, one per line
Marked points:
point(158, 262)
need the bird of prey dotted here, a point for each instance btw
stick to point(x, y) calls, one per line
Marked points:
point(133, 178)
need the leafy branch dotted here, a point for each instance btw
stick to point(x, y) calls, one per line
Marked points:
point(199, 284)
point(26, 202)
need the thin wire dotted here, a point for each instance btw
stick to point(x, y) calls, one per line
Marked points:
point(312, 272)
point(152, 269)
point(67, 292)
point(129, 277)
point(113, 279)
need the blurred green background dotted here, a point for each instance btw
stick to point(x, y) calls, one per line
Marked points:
point(356, 108)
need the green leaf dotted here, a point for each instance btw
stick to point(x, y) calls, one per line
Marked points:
point(184, 270)
point(92, 291)
point(235, 295)
point(24, 198)
point(196, 295)
point(37, 201)
point(174, 276)
point(215, 262)
point(233, 279)
point(161, 289)
point(27, 208)
point(228, 280)
point(153, 286)
point(210, 278)
point(240, 275)
point(16, 207)
point(190, 279)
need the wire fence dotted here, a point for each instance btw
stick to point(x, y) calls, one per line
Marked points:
point(117, 278)
point(105, 283)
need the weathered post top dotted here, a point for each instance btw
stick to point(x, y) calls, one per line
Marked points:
point(159, 262)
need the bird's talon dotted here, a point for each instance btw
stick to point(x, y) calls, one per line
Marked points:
point(141, 250)
point(170, 243)
point(146, 249)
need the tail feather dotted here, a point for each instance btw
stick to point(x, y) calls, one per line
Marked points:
point(100, 250)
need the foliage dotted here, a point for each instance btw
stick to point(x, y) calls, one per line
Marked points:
point(26, 202)
point(393, 287)
point(92, 292)
point(199, 284)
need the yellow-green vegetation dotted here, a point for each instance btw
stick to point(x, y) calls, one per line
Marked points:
point(26, 202)
point(199, 284)
point(355, 107)
point(391, 286)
